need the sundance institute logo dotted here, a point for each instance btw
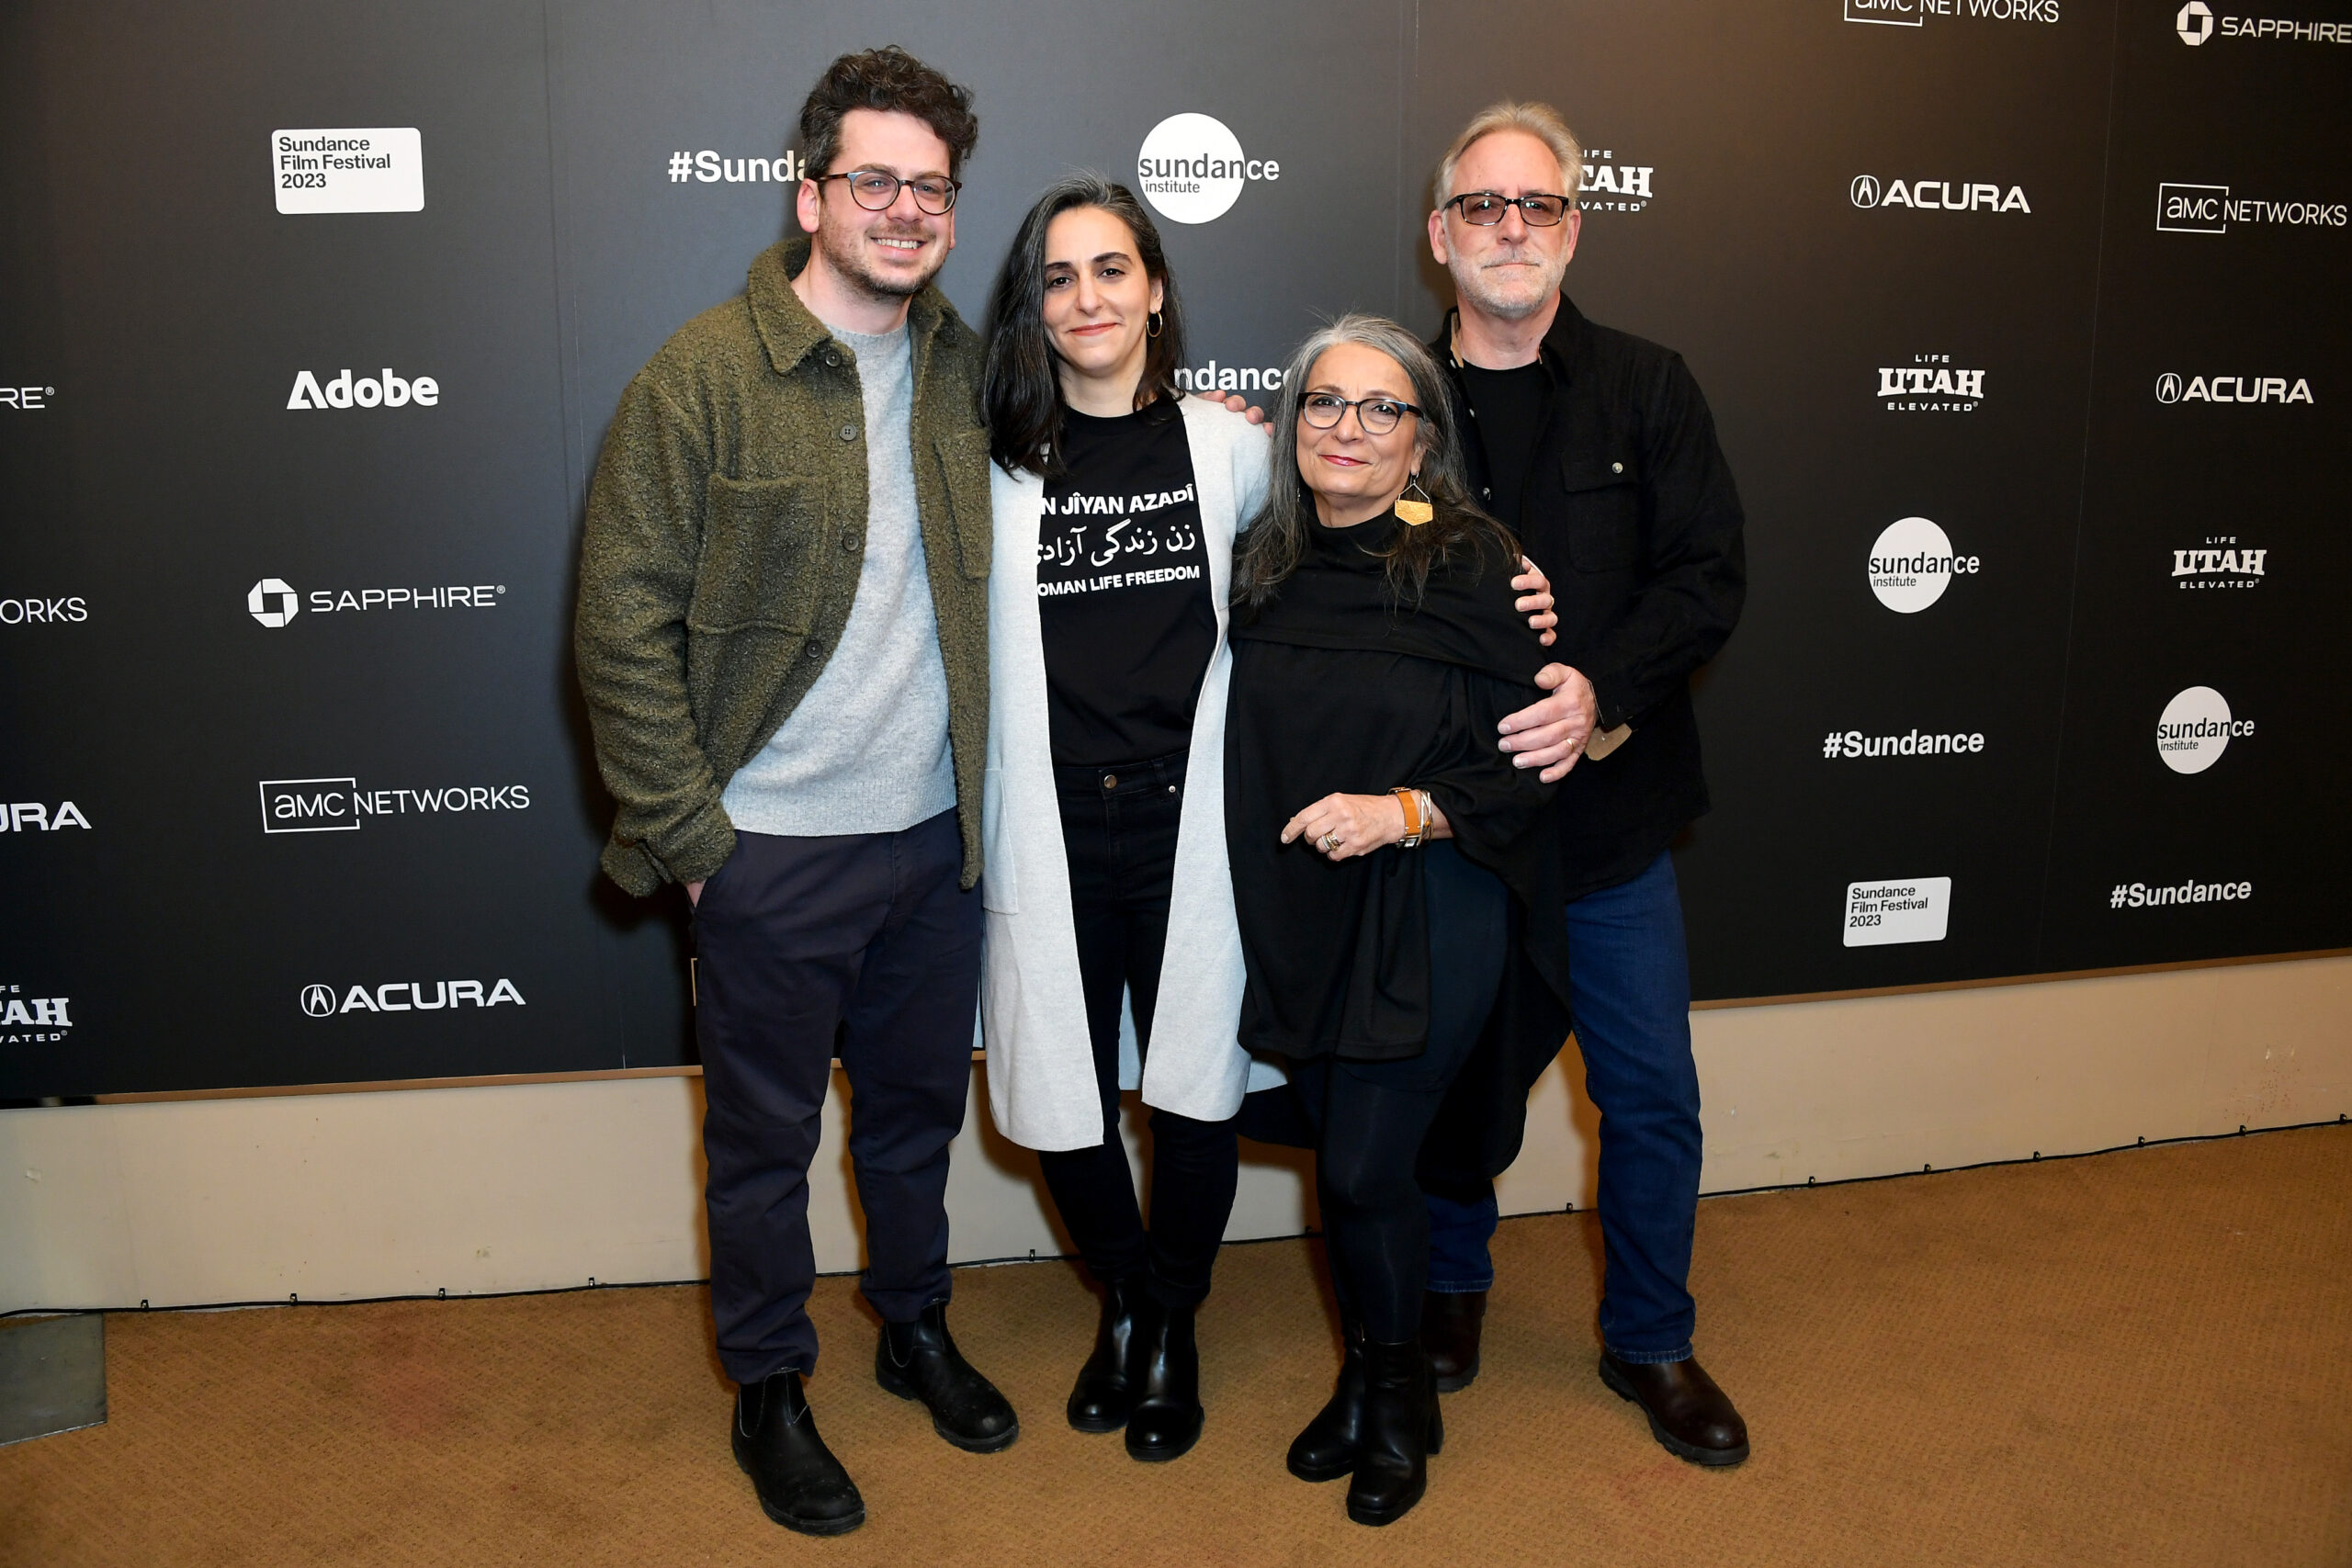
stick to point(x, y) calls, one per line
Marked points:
point(1192, 169)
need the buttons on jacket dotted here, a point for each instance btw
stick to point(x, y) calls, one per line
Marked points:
point(833, 358)
point(851, 544)
point(849, 433)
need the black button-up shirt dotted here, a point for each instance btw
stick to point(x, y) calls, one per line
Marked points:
point(1628, 507)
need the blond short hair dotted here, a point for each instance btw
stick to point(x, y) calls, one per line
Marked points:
point(1540, 121)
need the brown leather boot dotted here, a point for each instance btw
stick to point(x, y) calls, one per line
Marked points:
point(1452, 1322)
point(1691, 1417)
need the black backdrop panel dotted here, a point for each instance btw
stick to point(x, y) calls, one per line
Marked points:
point(1915, 260)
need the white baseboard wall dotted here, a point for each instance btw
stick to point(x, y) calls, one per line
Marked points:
point(546, 1186)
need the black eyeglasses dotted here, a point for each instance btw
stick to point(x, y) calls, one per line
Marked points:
point(876, 191)
point(1377, 415)
point(1485, 208)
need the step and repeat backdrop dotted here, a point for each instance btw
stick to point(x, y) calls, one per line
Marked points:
point(2024, 322)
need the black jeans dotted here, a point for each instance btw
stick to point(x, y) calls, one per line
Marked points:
point(862, 945)
point(1369, 1117)
point(1119, 833)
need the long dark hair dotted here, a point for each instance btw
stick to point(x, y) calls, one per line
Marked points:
point(1021, 389)
point(1276, 541)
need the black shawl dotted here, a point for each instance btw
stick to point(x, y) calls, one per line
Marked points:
point(1337, 687)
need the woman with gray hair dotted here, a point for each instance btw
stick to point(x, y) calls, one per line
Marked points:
point(1404, 952)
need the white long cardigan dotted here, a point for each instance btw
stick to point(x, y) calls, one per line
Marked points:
point(1032, 1009)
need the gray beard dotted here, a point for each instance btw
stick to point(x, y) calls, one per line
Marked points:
point(849, 264)
point(1469, 283)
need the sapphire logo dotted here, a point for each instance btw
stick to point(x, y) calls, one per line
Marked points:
point(273, 602)
point(2194, 23)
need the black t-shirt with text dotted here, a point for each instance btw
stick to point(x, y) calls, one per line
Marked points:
point(1123, 590)
point(1510, 406)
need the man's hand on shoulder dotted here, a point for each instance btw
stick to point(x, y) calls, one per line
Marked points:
point(1550, 734)
point(1239, 404)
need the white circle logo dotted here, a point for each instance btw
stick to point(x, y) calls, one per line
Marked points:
point(1910, 565)
point(272, 601)
point(318, 1000)
point(1192, 170)
point(2167, 388)
point(2194, 23)
point(2196, 730)
point(1864, 191)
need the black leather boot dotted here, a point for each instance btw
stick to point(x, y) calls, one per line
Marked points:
point(1167, 1417)
point(1105, 1393)
point(1452, 1322)
point(919, 1360)
point(1325, 1450)
point(1401, 1429)
point(801, 1486)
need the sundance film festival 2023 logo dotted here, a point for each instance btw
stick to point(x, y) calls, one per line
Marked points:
point(33, 1021)
point(340, 806)
point(2197, 25)
point(2172, 389)
point(378, 169)
point(1912, 562)
point(1190, 168)
point(1930, 384)
point(1897, 909)
point(273, 602)
point(320, 999)
point(1870, 193)
point(2220, 562)
point(2211, 209)
point(2196, 728)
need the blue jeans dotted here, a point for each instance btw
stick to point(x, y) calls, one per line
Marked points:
point(1629, 989)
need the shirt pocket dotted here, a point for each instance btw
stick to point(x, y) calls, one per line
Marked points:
point(964, 464)
point(1603, 503)
point(761, 562)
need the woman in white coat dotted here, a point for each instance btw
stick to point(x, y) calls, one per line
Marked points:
point(1106, 888)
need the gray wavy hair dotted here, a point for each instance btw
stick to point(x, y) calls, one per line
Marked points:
point(1276, 539)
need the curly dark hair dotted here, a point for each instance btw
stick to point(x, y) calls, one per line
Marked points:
point(895, 82)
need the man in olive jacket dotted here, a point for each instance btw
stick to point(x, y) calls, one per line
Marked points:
point(783, 641)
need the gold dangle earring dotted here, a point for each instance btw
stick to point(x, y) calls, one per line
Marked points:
point(1415, 513)
point(1152, 325)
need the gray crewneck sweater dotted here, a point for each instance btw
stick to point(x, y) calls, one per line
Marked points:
point(865, 752)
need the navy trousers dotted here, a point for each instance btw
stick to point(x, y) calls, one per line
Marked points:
point(859, 946)
point(1629, 984)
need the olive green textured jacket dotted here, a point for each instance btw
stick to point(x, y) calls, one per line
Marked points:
point(726, 531)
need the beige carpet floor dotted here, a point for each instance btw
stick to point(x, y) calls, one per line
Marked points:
point(2144, 1358)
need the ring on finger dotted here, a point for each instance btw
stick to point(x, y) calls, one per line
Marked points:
point(1330, 842)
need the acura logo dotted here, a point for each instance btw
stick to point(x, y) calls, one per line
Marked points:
point(2194, 23)
point(1864, 191)
point(2167, 388)
point(318, 1002)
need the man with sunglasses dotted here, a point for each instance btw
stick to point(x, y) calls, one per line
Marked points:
point(782, 638)
point(1596, 448)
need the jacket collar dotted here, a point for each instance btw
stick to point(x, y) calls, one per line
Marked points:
point(1559, 351)
point(789, 330)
